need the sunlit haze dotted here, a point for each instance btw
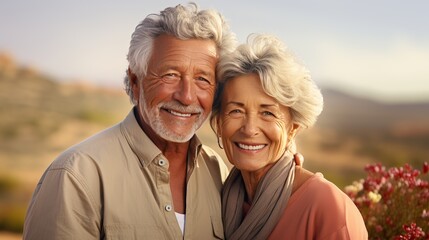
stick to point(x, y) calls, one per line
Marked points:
point(376, 49)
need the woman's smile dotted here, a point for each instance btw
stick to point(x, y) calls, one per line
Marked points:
point(250, 147)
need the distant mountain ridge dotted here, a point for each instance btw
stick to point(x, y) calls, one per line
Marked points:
point(345, 111)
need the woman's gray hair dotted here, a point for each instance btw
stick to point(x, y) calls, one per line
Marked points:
point(281, 76)
point(182, 22)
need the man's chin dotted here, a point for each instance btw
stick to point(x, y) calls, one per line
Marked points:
point(177, 138)
point(175, 131)
point(176, 135)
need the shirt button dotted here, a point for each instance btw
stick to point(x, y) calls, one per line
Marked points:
point(168, 208)
point(161, 162)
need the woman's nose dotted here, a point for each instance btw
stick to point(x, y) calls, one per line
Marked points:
point(250, 126)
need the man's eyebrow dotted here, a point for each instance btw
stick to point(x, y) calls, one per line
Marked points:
point(206, 72)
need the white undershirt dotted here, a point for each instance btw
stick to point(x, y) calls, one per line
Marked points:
point(181, 220)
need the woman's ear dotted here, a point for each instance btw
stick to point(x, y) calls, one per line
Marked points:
point(219, 133)
point(294, 130)
point(218, 127)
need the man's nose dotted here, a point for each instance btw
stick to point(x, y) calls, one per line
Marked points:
point(185, 93)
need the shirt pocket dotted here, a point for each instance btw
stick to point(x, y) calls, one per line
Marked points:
point(217, 227)
point(130, 232)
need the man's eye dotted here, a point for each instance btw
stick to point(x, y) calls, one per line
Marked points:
point(203, 79)
point(171, 76)
point(204, 82)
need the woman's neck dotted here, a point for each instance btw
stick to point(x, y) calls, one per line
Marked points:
point(251, 180)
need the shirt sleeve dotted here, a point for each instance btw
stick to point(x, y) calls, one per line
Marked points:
point(62, 208)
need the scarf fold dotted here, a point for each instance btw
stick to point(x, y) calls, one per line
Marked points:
point(269, 203)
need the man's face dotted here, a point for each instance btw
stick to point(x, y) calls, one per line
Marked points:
point(176, 95)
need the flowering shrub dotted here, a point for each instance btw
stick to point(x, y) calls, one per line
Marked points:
point(394, 202)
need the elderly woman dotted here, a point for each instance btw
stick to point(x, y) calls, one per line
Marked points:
point(264, 98)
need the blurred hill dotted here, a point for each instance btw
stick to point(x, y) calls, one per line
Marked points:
point(354, 131)
point(41, 117)
point(392, 133)
point(353, 114)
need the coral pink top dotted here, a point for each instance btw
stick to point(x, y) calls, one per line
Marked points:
point(320, 210)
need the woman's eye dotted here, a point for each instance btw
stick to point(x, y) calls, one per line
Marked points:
point(235, 112)
point(267, 113)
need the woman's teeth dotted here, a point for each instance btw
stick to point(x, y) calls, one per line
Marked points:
point(250, 147)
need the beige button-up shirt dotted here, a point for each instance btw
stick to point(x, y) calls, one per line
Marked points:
point(115, 185)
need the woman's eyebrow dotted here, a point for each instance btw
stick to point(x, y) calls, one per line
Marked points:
point(267, 105)
point(235, 103)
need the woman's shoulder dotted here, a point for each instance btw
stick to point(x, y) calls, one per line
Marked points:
point(321, 190)
point(323, 202)
point(302, 175)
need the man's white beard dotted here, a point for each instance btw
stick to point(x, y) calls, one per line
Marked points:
point(153, 119)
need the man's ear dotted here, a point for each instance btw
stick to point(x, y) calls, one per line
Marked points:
point(133, 84)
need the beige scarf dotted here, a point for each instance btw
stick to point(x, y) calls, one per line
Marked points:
point(269, 203)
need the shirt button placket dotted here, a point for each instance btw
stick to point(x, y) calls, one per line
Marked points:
point(168, 208)
point(161, 162)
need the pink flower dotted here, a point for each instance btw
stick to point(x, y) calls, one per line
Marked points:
point(425, 167)
point(378, 228)
point(391, 198)
point(412, 231)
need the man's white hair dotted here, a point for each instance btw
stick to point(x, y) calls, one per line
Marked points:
point(182, 22)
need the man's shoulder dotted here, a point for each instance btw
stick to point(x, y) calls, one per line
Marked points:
point(105, 136)
point(88, 150)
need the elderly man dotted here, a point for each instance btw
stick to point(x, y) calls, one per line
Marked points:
point(148, 177)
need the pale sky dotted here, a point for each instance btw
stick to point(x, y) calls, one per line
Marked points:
point(370, 48)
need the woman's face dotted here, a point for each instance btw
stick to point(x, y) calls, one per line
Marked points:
point(254, 127)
